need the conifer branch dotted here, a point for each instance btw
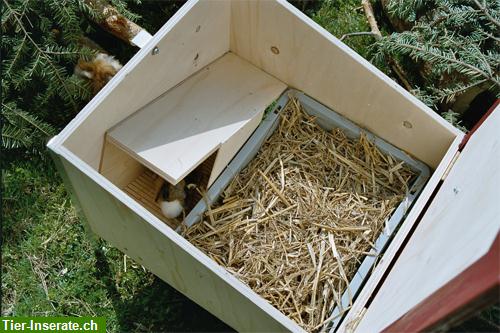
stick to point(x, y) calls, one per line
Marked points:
point(487, 14)
point(451, 60)
point(16, 56)
point(40, 41)
point(354, 34)
point(43, 129)
point(451, 48)
point(451, 93)
point(378, 35)
point(42, 53)
point(492, 37)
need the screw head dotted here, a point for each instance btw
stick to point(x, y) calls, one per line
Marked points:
point(407, 124)
point(275, 50)
point(155, 50)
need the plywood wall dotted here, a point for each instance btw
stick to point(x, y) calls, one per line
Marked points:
point(458, 228)
point(276, 37)
point(117, 166)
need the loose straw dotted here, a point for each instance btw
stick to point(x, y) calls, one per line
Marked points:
point(296, 223)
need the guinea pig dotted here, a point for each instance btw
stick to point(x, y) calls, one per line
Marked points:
point(172, 199)
point(99, 70)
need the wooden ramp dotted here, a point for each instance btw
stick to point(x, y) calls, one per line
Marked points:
point(215, 110)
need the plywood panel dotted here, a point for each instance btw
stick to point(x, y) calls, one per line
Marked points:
point(457, 229)
point(276, 37)
point(176, 132)
point(229, 149)
point(135, 231)
point(358, 307)
point(194, 37)
point(117, 166)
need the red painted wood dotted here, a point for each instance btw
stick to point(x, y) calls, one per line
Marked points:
point(471, 289)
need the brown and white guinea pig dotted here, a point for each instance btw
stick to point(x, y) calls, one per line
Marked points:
point(99, 70)
point(172, 199)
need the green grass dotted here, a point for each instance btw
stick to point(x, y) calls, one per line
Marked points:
point(50, 267)
point(343, 17)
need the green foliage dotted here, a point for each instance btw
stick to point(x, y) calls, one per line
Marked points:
point(454, 44)
point(407, 10)
point(343, 17)
point(39, 48)
point(122, 7)
point(308, 7)
point(454, 119)
point(41, 43)
point(22, 129)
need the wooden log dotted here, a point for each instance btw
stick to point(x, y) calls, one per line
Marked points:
point(397, 69)
point(114, 22)
point(367, 6)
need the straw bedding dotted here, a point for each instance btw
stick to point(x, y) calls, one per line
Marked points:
point(296, 223)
